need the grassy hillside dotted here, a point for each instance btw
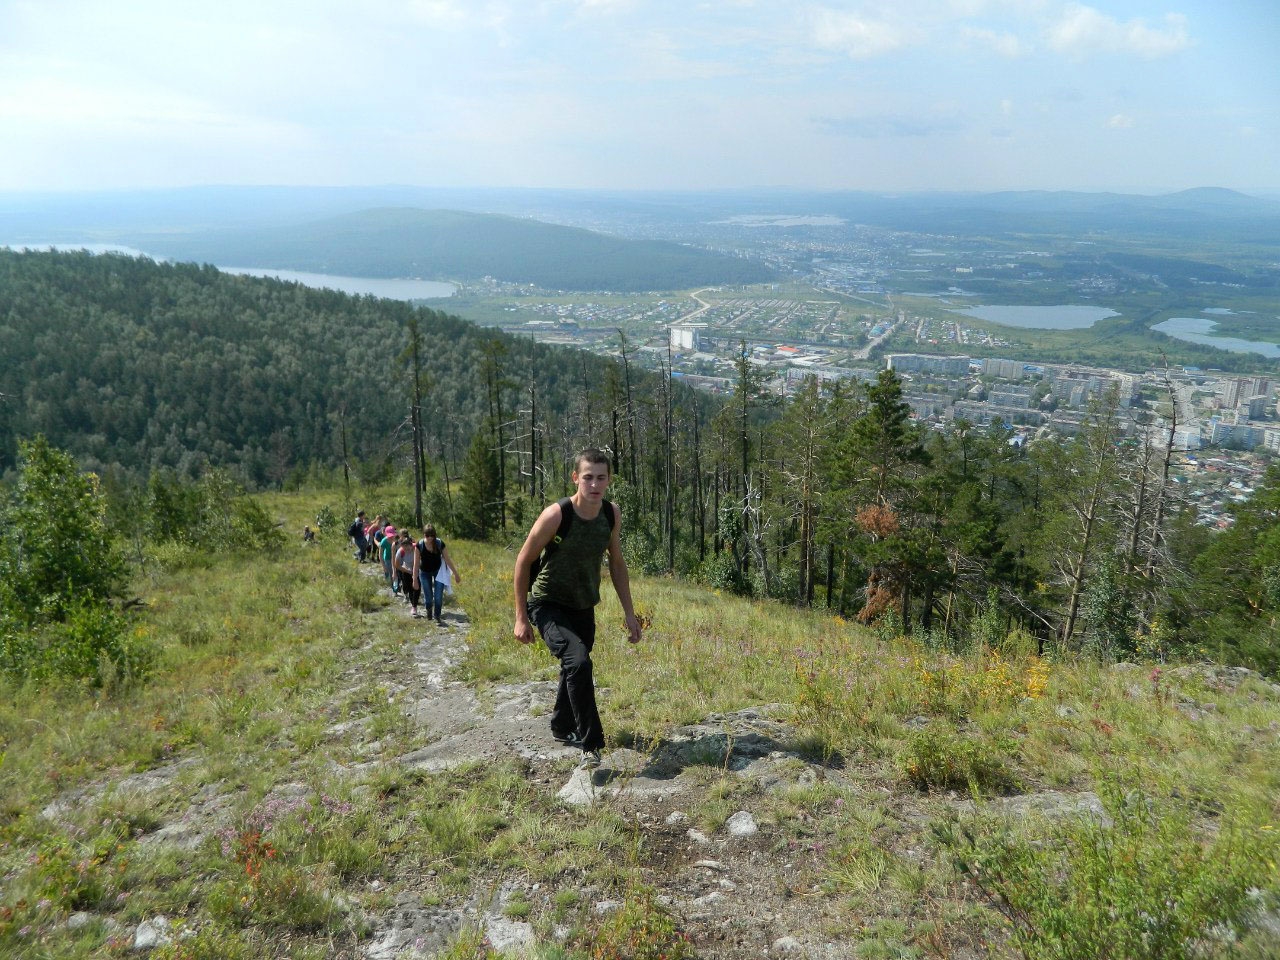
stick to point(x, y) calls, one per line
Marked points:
point(457, 245)
point(295, 781)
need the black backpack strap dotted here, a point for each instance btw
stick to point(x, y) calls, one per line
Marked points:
point(610, 511)
point(566, 521)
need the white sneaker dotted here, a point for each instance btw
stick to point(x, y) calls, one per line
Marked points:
point(590, 760)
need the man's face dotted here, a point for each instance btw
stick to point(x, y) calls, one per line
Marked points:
point(592, 480)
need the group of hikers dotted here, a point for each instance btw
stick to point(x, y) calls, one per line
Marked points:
point(556, 587)
point(414, 570)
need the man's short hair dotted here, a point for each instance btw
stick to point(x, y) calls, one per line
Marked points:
point(590, 455)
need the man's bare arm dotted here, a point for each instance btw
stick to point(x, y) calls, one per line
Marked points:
point(621, 578)
point(544, 529)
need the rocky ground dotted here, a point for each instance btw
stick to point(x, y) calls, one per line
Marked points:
point(737, 891)
point(733, 892)
point(743, 888)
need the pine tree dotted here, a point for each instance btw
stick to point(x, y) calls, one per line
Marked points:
point(881, 459)
point(479, 515)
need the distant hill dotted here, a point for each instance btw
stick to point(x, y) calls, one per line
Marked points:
point(192, 221)
point(460, 245)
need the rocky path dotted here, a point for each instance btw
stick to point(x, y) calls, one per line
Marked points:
point(733, 890)
point(736, 882)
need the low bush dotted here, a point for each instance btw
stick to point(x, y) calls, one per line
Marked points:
point(959, 687)
point(211, 942)
point(720, 572)
point(213, 513)
point(937, 757)
point(284, 859)
point(640, 930)
point(1151, 885)
point(93, 642)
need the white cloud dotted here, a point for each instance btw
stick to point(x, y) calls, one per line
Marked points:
point(436, 11)
point(1082, 31)
point(1120, 121)
point(1001, 42)
point(859, 37)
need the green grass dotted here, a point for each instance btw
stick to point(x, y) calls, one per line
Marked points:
point(250, 674)
point(993, 724)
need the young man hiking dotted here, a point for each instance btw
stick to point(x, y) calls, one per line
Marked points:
point(561, 600)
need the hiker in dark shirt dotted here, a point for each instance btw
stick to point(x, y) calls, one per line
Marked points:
point(356, 533)
point(562, 597)
point(433, 555)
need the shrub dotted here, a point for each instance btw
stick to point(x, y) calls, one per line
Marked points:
point(207, 943)
point(957, 687)
point(469, 944)
point(93, 642)
point(360, 595)
point(720, 572)
point(214, 513)
point(279, 895)
point(57, 547)
point(327, 519)
point(79, 870)
point(640, 930)
point(1149, 886)
point(282, 860)
point(939, 758)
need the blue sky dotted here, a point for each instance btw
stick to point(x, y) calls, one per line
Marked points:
point(908, 95)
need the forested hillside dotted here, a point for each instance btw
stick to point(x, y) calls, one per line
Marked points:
point(456, 245)
point(831, 498)
point(126, 362)
point(968, 697)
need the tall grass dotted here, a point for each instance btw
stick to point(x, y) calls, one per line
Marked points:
point(250, 656)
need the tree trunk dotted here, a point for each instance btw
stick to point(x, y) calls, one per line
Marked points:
point(346, 472)
point(831, 569)
point(1081, 560)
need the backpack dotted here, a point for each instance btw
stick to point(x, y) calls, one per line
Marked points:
point(567, 514)
point(356, 530)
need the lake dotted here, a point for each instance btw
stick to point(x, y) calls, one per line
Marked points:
point(358, 286)
point(391, 289)
point(1200, 330)
point(1060, 317)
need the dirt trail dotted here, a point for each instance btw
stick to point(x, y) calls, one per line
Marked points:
point(737, 891)
point(732, 891)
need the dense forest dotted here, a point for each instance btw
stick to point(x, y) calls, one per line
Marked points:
point(131, 364)
point(456, 245)
point(831, 497)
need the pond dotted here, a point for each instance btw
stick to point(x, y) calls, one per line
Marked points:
point(1200, 330)
point(357, 286)
point(1059, 317)
point(391, 289)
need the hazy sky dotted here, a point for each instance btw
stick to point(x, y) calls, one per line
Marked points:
point(903, 95)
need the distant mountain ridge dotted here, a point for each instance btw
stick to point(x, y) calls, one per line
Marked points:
point(463, 245)
point(201, 222)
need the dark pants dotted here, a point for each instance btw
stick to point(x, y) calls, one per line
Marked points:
point(570, 635)
point(407, 588)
